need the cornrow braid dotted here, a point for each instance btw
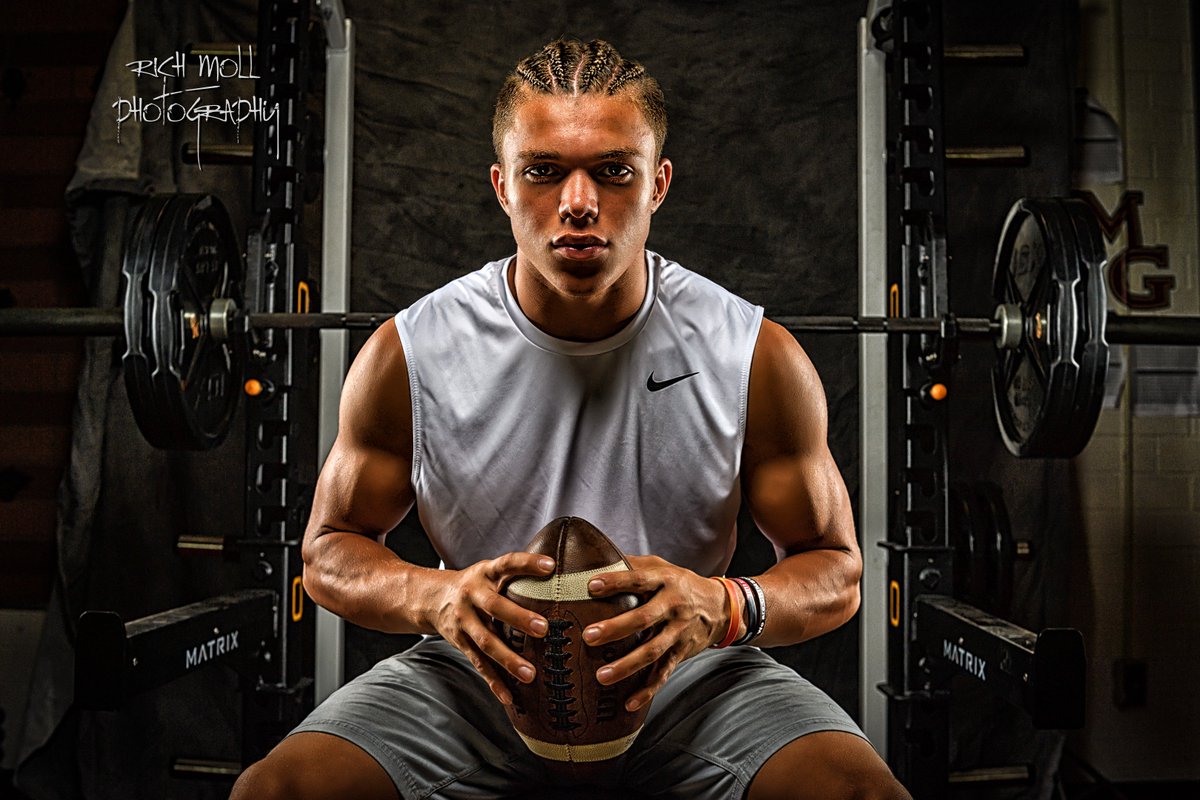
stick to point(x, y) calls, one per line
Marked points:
point(555, 57)
point(533, 79)
point(628, 71)
point(569, 67)
point(599, 64)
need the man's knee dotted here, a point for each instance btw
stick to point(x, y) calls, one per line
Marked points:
point(315, 765)
point(266, 781)
point(836, 765)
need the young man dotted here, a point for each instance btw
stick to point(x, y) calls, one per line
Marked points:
point(584, 376)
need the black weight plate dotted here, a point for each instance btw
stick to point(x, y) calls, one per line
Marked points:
point(1000, 551)
point(1034, 386)
point(163, 256)
point(137, 363)
point(970, 578)
point(197, 379)
point(1092, 299)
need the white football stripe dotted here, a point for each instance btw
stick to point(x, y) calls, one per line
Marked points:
point(580, 752)
point(571, 586)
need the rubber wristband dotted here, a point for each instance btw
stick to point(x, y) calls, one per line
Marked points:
point(762, 607)
point(752, 607)
point(734, 616)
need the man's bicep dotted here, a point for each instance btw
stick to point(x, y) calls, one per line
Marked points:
point(801, 504)
point(365, 485)
point(791, 483)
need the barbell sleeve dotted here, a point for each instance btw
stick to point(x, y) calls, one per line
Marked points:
point(62, 322)
point(1146, 329)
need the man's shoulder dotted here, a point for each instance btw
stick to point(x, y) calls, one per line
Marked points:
point(680, 284)
point(474, 286)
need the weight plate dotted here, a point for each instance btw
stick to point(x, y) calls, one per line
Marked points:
point(1040, 268)
point(196, 379)
point(1092, 298)
point(138, 359)
point(1000, 551)
point(968, 541)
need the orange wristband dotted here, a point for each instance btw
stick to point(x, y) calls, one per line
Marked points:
point(734, 616)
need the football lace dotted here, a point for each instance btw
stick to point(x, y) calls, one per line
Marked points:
point(558, 677)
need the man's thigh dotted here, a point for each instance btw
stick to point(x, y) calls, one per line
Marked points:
point(428, 719)
point(721, 716)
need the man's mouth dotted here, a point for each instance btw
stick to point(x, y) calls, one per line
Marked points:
point(578, 246)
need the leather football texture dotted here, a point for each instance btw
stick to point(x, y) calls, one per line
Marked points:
point(565, 715)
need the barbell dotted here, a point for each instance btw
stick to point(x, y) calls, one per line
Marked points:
point(187, 334)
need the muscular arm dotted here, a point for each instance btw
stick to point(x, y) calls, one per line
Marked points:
point(796, 495)
point(364, 490)
point(798, 499)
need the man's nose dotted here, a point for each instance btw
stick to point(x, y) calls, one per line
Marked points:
point(579, 201)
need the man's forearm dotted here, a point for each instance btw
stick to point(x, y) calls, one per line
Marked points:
point(364, 582)
point(808, 594)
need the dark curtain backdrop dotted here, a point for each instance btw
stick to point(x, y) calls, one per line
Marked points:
point(761, 106)
point(761, 99)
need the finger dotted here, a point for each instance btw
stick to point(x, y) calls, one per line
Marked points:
point(495, 649)
point(658, 678)
point(484, 667)
point(500, 608)
point(511, 564)
point(633, 621)
point(644, 581)
point(646, 562)
point(640, 657)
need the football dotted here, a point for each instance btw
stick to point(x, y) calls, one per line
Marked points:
point(565, 715)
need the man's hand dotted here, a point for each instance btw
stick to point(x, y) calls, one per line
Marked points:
point(687, 613)
point(472, 595)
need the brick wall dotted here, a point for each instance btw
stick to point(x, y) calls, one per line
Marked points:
point(1136, 570)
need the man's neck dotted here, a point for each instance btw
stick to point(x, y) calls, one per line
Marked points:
point(588, 318)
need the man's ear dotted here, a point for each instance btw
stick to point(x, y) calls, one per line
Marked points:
point(662, 182)
point(498, 183)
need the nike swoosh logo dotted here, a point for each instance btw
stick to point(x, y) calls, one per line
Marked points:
point(655, 386)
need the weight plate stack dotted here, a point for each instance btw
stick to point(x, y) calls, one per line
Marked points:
point(969, 542)
point(138, 360)
point(187, 381)
point(1044, 389)
point(1000, 550)
point(984, 550)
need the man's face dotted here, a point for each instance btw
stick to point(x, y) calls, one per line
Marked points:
point(579, 181)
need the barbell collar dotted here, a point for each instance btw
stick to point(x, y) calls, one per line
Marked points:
point(1011, 324)
point(221, 315)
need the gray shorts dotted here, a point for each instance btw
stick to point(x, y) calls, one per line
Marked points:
point(429, 719)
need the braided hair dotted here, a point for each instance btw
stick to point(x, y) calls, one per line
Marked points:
point(571, 67)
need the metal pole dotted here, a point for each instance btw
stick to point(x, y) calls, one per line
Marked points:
point(872, 387)
point(339, 158)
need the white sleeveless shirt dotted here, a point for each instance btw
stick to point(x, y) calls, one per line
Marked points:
point(640, 433)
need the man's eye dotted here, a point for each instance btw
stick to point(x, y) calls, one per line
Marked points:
point(540, 171)
point(615, 171)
